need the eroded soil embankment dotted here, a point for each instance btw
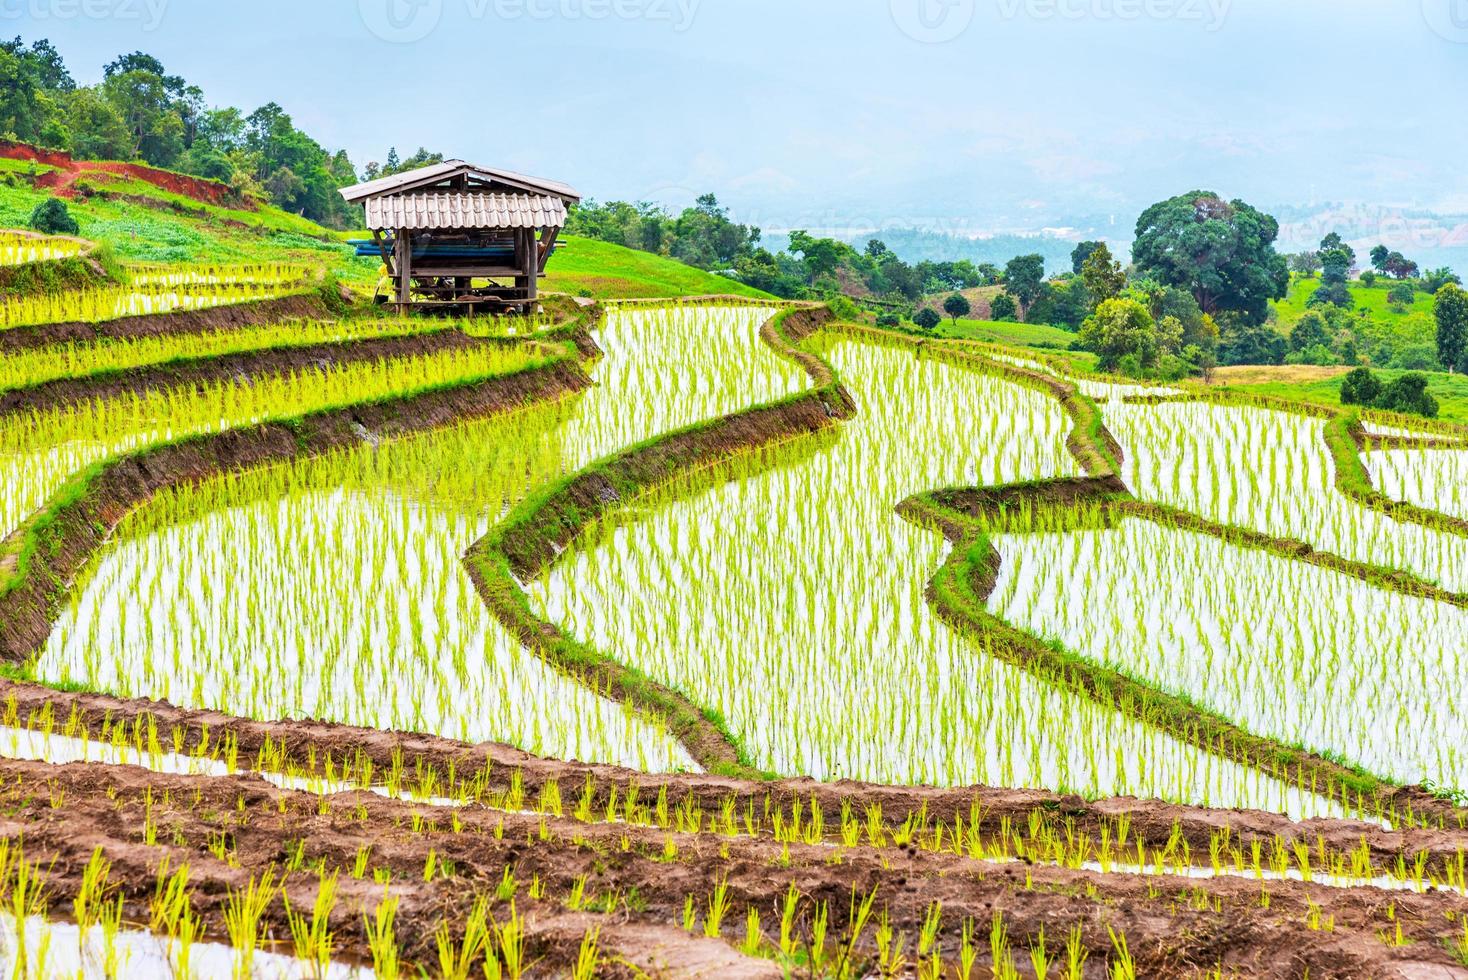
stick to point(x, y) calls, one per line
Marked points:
point(46, 553)
point(306, 306)
point(242, 367)
point(231, 829)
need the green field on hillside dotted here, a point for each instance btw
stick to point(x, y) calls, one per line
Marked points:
point(1371, 299)
point(587, 267)
point(1451, 391)
point(1011, 334)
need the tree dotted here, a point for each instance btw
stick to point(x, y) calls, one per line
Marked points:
point(1399, 266)
point(1408, 394)
point(1024, 278)
point(927, 319)
point(1120, 328)
point(1003, 307)
point(1435, 279)
point(1242, 341)
point(1401, 295)
point(1081, 253)
point(1336, 260)
point(1360, 387)
point(1379, 256)
point(52, 218)
point(1368, 278)
point(143, 102)
point(98, 129)
point(1305, 263)
point(1451, 310)
point(1222, 252)
point(956, 306)
point(1309, 331)
point(1104, 278)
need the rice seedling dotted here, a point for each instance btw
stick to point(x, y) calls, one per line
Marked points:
point(1272, 472)
point(97, 304)
point(1359, 672)
point(16, 249)
point(40, 450)
point(353, 604)
point(751, 597)
point(36, 365)
point(1436, 479)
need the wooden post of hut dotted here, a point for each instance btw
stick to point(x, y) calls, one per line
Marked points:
point(456, 235)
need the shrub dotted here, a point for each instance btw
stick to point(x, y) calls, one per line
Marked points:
point(1402, 294)
point(889, 320)
point(1361, 387)
point(956, 306)
point(1408, 394)
point(52, 218)
point(928, 319)
point(1368, 278)
point(1003, 307)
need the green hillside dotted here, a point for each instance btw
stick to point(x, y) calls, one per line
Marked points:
point(588, 267)
point(145, 224)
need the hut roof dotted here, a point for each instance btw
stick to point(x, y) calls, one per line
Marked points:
point(441, 211)
point(461, 176)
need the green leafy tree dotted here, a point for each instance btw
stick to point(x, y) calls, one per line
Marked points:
point(1360, 387)
point(1222, 252)
point(51, 217)
point(1024, 278)
point(928, 319)
point(1379, 256)
point(1081, 253)
point(1309, 331)
point(98, 131)
point(956, 306)
point(1451, 311)
point(1103, 276)
point(1003, 308)
point(1336, 259)
point(146, 107)
point(1408, 394)
point(1435, 279)
point(1119, 329)
point(1402, 295)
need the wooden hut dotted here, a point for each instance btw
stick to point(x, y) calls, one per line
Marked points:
point(456, 235)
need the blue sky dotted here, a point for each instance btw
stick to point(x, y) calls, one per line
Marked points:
point(964, 115)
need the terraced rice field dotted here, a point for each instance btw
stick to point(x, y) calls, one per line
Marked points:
point(708, 640)
point(18, 249)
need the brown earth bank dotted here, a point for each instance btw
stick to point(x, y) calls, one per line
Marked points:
point(241, 367)
point(306, 306)
point(641, 881)
point(44, 555)
point(68, 170)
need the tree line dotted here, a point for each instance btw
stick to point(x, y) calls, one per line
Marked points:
point(139, 111)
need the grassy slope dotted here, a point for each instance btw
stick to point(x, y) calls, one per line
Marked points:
point(1451, 391)
point(1011, 334)
point(592, 268)
point(1369, 298)
point(159, 232)
point(152, 225)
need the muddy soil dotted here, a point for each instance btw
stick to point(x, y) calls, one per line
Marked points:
point(231, 829)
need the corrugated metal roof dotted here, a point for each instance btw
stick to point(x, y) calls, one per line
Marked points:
point(443, 211)
point(434, 173)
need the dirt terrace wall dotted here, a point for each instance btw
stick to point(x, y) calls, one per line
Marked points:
point(305, 306)
point(42, 557)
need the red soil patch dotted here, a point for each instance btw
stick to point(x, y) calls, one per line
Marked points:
point(68, 171)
